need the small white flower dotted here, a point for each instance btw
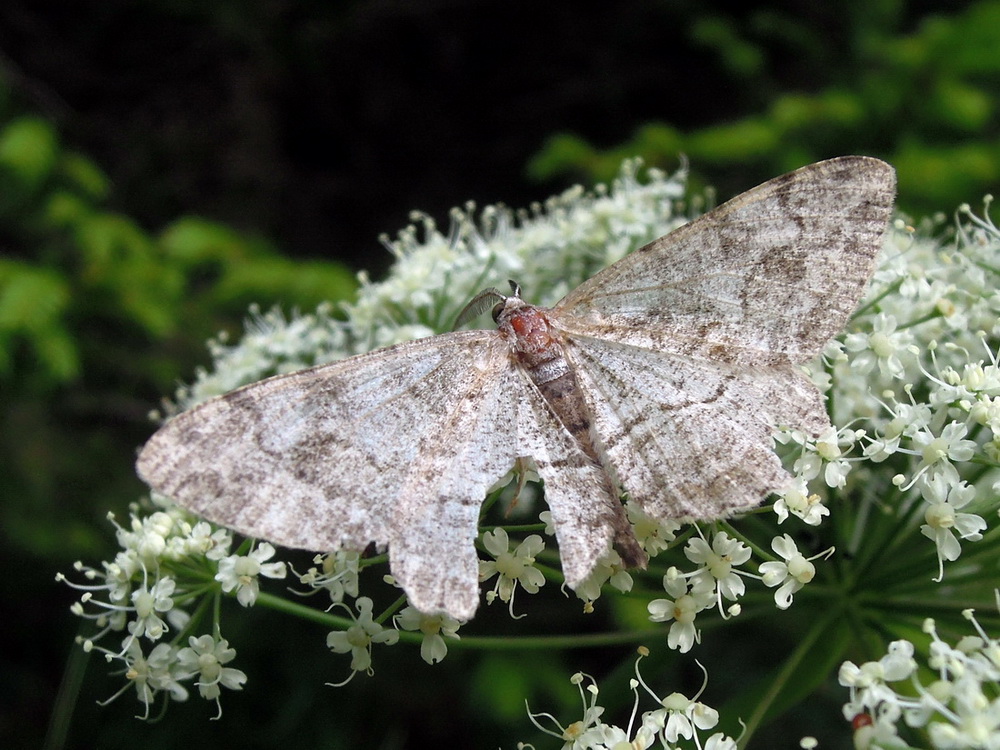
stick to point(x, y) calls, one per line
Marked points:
point(214, 545)
point(944, 498)
point(682, 716)
point(880, 447)
point(435, 628)
point(149, 604)
point(240, 572)
point(796, 499)
point(898, 663)
point(165, 671)
point(119, 575)
point(791, 575)
point(949, 446)
point(139, 674)
point(578, 734)
point(717, 562)
point(685, 715)
point(681, 609)
point(204, 657)
point(608, 569)
point(826, 452)
point(147, 537)
point(883, 345)
point(337, 574)
point(359, 638)
point(512, 569)
point(654, 535)
point(908, 419)
point(148, 675)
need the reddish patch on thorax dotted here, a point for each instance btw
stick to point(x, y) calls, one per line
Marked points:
point(529, 327)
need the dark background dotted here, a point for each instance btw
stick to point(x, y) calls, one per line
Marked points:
point(314, 127)
point(322, 125)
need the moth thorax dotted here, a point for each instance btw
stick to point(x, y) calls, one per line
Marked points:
point(527, 329)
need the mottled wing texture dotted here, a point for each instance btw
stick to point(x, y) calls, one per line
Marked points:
point(396, 447)
point(767, 278)
point(685, 353)
point(687, 350)
point(577, 490)
point(686, 438)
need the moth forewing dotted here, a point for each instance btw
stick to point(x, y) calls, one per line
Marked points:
point(769, 276)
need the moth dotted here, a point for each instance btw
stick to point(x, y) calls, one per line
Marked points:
point(662, 376)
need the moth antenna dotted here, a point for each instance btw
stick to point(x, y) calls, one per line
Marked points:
point(515, 288)
point(478, 305)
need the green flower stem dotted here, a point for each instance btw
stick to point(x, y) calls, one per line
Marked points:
point(484, 643)
point(544, 642)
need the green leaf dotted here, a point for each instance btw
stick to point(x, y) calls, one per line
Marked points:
point(28, 151)
point(85, 175)
point(302, 284)
point(193, 240)
point(32, 304)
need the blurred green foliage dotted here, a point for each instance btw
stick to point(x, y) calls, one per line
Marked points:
point(925, 100)
point(98, 319)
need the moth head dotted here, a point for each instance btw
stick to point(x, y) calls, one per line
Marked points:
point(482, 300)
point(505, 302)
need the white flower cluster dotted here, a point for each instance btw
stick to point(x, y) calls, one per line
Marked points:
point(676, 724)
point(717, 578)
point(958, 709)
point(271, 344)
point(921, 370)
point(164, 564)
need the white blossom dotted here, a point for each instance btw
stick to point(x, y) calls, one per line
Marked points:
point(204, 658)
point(512, 568)
point(883, 345)
point(240, 572)
point(686, 602)
point(358, 639)
point(789, 576)
point(435, 628)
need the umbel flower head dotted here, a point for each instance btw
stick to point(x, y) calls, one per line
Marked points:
point(896, 504)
